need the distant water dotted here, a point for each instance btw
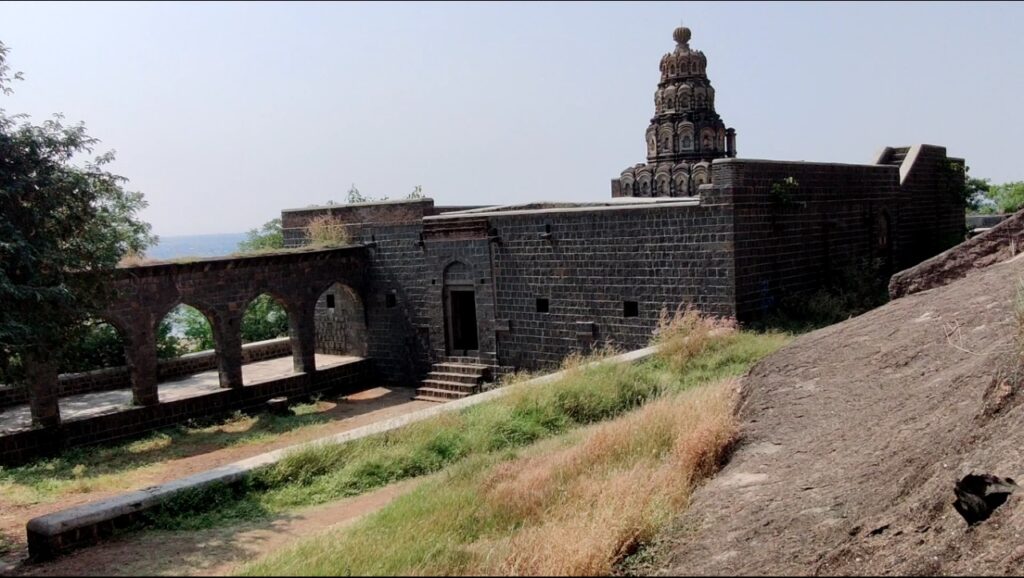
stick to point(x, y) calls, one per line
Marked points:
point(195, 245)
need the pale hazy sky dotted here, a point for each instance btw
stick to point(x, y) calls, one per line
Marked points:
point(225, 113)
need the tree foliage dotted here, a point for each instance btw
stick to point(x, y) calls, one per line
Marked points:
point(268, 237)
point(355, 196)
point(60, 222)
point(264, 319)
point(1007, 197)
point(93, 345)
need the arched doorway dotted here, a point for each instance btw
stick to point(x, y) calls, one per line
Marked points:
point(459, 297)
point(340, 321)
point(266, 348)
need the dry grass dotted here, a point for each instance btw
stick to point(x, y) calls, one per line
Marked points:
point(687, 334)
point(327, 231)
point(134, 259)
point(590, 505)
point(575, 505)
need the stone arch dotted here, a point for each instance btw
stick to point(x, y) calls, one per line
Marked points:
point(266, 318)
point(339, 319)
point(707, 139)
point(663, 185)
point(626, 181)
point(461, 302)
point(101, 341)
point(644, 185)
point(652, 141)
point(684, 96)
point(191, 343)
point(665, 139)
point(699, 175)
point(681, 180)
point(684, 136)
point(458, 273)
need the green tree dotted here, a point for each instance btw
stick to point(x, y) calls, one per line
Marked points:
point(60, 223)
point(354, 196)
point(196, 331)
point(1007, 197)
point(265, 318)
point(977, 194)
point(167, 343)
point(266, 238)
point(93, 346)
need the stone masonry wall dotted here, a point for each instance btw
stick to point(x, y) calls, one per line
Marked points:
point(838, 217)
point(932, 216)
point(588, 263)
point(785, 246)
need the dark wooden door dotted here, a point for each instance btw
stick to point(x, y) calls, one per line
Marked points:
point(462, 321)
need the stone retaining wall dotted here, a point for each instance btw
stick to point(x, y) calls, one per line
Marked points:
point(119, 377)
point(19, 447)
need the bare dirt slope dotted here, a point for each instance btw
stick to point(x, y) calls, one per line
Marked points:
point(854, 437)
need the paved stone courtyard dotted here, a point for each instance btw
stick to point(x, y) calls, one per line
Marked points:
point(18, 418)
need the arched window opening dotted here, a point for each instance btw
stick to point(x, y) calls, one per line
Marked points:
point(182, 331)
point(266, 347)
point(93, 344)
point(340, 319)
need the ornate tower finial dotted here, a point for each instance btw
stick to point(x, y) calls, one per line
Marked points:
point(686, 133)
point(681, 35)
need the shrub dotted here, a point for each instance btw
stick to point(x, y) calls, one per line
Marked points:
point(327, 231)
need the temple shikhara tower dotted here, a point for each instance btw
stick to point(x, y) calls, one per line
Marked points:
point(685, 134)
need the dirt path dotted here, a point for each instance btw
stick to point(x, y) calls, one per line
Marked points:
point(215, 552)
point(854, 436)
point(350, 412)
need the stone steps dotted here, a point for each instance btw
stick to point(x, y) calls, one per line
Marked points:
point(897, 155)
point(438, 395)
point(453, 378)
point(462, 368)
point(450, 385)
point(467, 378)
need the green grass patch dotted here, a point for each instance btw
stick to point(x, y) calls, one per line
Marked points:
point(586, 395)
point(81, 470)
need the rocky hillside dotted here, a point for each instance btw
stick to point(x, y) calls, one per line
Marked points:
point(855, 435)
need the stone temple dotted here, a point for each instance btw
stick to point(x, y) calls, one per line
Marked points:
point(686, 133)
point(446, 297)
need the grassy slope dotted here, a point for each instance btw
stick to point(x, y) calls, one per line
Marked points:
point(584, 396)
point(575, 504)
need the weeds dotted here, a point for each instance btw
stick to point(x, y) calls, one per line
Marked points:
point(849, 292)
point(327, 231)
